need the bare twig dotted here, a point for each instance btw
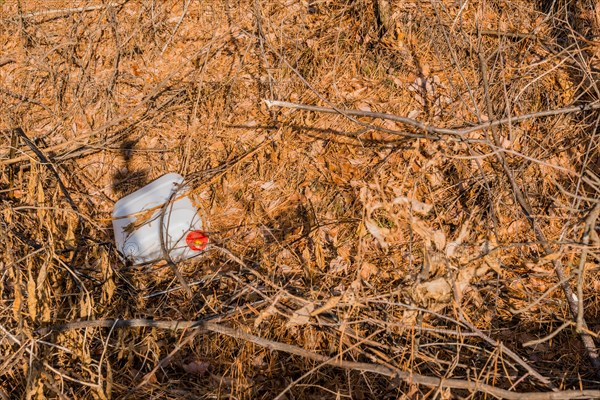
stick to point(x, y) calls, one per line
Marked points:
point(163, 247)
point(185, 9)
point(84, 138)
point(6, 60)
point(48, 164)
point(11, 171)
point(407, 376)
point(547, 293)
point(281, 394)
point(165, 361)
point(267, 68)
point(514, 35)
point(458, 132)
point(24, 99)
point(115, 76)
point(117, 324)
point(358, 113)
point(547, 337)
point(67, 11)
point(572, 300)
point(16, 340)
point(103, 354)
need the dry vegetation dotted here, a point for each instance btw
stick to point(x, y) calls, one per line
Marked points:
point(353, 256)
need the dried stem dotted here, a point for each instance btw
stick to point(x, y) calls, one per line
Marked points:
point(48, 164)
point(406, 376)
point(67, 11)
point(458, 132)
point(163, 247)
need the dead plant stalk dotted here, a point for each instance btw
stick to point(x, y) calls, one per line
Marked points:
point(406, 376)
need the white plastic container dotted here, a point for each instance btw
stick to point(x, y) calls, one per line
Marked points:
point(137, 223)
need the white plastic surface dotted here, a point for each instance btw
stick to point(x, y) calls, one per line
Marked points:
point(136, 222)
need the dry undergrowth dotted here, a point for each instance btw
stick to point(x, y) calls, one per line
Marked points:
point(352, 238)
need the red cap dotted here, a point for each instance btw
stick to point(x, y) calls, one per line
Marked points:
point(196, 240)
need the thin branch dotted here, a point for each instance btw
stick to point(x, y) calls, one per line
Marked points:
point(574, 302)
point(281, 394)
point(83, 140)
point(67, 11)
point(46, 162)
point(458, 132)
point(514, 35)
point(185, 10)
point(117, 324)
point(165, 361)
point(24, 99)
point(163, 247)
point(4, 61)
point(547, 293)
point(389, 371)
point(499, 345)
point(14, 339)
point(548, 337)
point(358, 113)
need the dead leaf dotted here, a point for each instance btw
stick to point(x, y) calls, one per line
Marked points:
point(463, 279)
point(196, 367)
point(338, 265)
point(329, 304)
point(301, 316)
point(367, 270)
point(259, 360)
point(429, 235)
point(355, 287)
point(377, 232)
point(416, 205)
point(453, 246)
point(439, 238)
point(437, 290)
point(266, 313)
point(267, 185)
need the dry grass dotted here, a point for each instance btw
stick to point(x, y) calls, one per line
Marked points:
point(343, 236)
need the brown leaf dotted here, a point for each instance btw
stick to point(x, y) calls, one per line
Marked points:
point(196, 367)
point(329, 304)
point(367, 270)
point(377, 232)
point(301, 316)
point(437, 290)
point(338, 265)
point(416, 205)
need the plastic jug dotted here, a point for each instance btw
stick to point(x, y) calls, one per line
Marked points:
point(137, 223)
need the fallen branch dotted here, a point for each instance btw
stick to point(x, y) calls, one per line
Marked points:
point(358, 113)
point(395, 373)
point(118, 323)
point(548, 337)
point(458, 132)
point(67, 11)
